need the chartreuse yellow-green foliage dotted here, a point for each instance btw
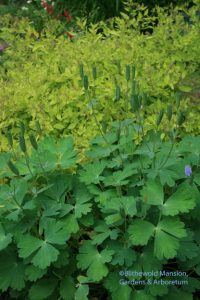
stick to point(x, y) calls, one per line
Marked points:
point(40, 74)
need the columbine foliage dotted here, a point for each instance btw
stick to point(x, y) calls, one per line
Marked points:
point(67, 228)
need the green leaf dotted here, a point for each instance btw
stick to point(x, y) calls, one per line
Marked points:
point(5, 239)
point(102, 232)
point(42, 289)
point(140, 232)
point(91, 172)
point(61, 184)
point(82, 292)
point(44, 253)
point(158, 290)
point(118, 178)
point(89, 258)
point(123, 256)
point(45, 256)
point(147, 262)
point(153, 192)
point(166, 237)
point(11, 271)
point(67, 288)
point(56, 232)
point(33, 273)
point(113, 219)
point(118, 291)
point(188, 248)
point(182, 201)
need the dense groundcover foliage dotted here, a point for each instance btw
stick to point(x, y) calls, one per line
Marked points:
point(123, 225)
point(100, 154)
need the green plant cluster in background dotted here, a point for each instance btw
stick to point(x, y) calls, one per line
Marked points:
point(42, 74)
point(70, 231)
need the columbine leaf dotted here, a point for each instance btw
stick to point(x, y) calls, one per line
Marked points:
point(182, 201)
point(102, 233)
point(117, 290)
point(123, 256)
point(91, 172)
point(45, 256)
point(11, 271)
point(118, 177)
point(153, 192)
point(44, 253)
point(140, 232)
point(56, 232)
point(188, 248)
point(42, 289)
point(5, 239)
point(33, 273)
point(61, 184)
point(67, 288)
point(168, 233)
point(82, 292)
point(89, 258)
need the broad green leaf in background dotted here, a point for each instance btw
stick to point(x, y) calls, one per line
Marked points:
point(33, 273)
point(147, 261)
point(182, 201)
point(140, 232)
point(67, 288)
point(123, 255)
point(153, 192)
point(94, 261)
point(42, 289)
point(188, 248)
point(118, 291)
point(167, 237)
point(5, 239)
point(82, 292)
point(11, 271)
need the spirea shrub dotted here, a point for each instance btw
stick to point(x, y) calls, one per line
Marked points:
point(123, 225)
point(41, 80)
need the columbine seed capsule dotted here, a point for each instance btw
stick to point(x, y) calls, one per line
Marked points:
point(94, 72)
point(81, 71)
point(85, 82)
point(33, 141)
point(13, 168)
point(10, 139)
point(22, 143)
point(169, 112)
point(128, 72)
point(159, 118)
point(117, 93)
point(180, 118)
point(22, 128)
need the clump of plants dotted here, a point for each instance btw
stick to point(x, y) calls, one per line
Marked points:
point(128, 214)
